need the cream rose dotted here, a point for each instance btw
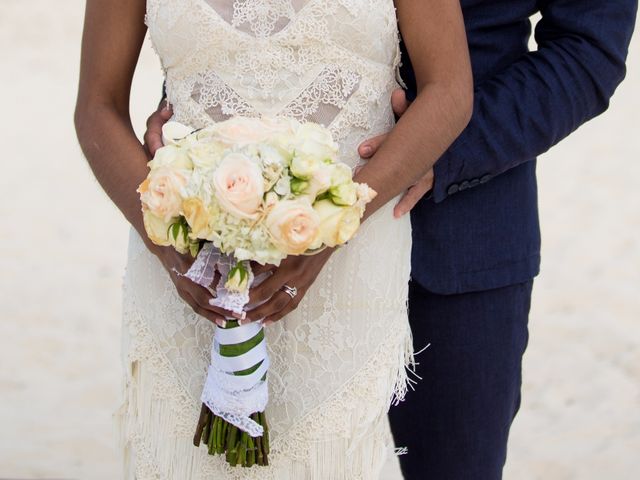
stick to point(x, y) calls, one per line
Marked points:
point(345, 194)
point(320, 181)
point(161, 191)
point(293, 225)
point(239, 186)
point(205, 154)
point(337, 224)
point(156, 228)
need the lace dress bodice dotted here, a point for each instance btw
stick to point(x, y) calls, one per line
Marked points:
point(328, 61)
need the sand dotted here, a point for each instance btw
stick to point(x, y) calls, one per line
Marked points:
point(63, 252)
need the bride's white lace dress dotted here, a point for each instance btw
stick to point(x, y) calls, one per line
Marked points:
point(339, 358)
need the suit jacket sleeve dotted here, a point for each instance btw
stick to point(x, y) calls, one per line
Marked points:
point(537, 101)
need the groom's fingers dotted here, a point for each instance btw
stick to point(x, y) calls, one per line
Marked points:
point(368, 148)
point(153, 135)
point(413, 195)
point(399, 102)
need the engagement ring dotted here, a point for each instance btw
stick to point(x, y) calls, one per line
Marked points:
point(291, 291)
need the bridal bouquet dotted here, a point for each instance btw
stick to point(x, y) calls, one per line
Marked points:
point(238, 191)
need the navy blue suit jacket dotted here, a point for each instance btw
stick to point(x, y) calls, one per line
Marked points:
point(479, 227)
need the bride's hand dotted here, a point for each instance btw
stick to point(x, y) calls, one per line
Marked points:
point(294, 271)
point(153, 135)
point(196, 296)
point(368, 148)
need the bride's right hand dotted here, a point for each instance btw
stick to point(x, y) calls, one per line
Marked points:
point(196, 296)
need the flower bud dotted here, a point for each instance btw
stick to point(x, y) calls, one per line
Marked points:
point(238, 279)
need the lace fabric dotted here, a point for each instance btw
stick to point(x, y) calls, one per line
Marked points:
point(339, 358)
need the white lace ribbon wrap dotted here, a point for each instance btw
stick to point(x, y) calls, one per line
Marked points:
point(232, 397)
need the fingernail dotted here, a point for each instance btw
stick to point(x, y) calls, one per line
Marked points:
point(266, 323)
point(239, 316)
point(221, 323)
point(366, 150)
point(242, 318)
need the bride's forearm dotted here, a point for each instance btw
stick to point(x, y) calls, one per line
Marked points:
point(421, 136)
point(434, 35)
point(115, 156)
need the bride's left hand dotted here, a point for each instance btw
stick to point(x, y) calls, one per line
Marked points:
point(294, 271)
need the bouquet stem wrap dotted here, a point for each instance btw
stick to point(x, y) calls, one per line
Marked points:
point(235, 392)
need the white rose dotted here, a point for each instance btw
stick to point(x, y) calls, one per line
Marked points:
point(304, 166)
point(205, 154)
point(314, 141)
point(171, 156)
point(340, 173)
point(337, 224)
point(239, 186)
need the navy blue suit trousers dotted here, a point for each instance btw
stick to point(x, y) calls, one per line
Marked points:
point(456, 423)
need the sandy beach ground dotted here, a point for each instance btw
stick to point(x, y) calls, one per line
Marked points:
point(63, 245)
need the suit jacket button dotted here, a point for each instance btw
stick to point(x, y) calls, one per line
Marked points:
point(475, 182)
point(453, 189)
point(485, 178)
point(464, 185)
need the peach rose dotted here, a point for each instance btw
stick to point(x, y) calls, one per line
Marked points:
point(160, 192)
point(293, 225)
point(239, 186)
point(197, 217)
point(244, 130)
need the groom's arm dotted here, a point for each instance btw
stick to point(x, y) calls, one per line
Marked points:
point(537, 101)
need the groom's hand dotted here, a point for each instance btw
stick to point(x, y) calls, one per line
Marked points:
point(294, 271)
point(368, 148)
point(153, 135)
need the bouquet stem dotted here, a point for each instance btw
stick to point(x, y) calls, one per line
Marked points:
point(223, 438)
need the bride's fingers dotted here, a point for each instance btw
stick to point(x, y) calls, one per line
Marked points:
point(209, 315)
point(267, 288)
point(257, 269)
point(369, 147)
point(291, 306)
point(202, 296)
point(279, 301)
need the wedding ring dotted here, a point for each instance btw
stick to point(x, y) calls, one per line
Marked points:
point(291, 291)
